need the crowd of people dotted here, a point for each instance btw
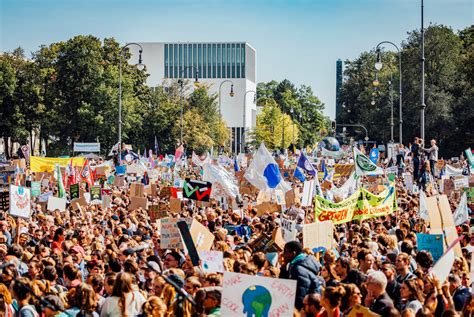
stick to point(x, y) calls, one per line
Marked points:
point(95, 261)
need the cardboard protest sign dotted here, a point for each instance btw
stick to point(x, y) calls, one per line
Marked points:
point(318, 234)
point(137, 202)
point(175, 205)
point(188, 242)
point(267, 207)
point(197, 190)
point(264, 196)
point(202, 237)
point(170, 236)
point(106, 201)
point(288, 229)
point(361, 311)
point(20, 201)
point(137, 189)
point(461, 182)
point(289, 198)
point(96, 194)
point(212, 261)
point(74, 191)
point(35, 189)
point(432, 243)
point(119, 181)
point(247, 295)
point(165, 192)
point(56, 203)
point(157, 211)
point(448, 186)
point(264, 243)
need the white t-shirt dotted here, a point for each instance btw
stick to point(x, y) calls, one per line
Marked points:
point(134, 302)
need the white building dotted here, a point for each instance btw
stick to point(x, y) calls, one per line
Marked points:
point(220, 65)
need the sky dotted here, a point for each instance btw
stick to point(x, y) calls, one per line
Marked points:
point(298, 40)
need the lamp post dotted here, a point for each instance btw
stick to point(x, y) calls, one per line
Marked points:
point(378, 66)
point(230, 94)
point(293, 137)
point(423, 105)
point(140, 66)
point(245, 111)
point(181, 84)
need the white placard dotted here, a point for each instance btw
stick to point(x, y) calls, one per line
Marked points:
point(20, 201)
point(86, 147)
point(461, 182)
point(308, 190)
point(242, 294)
point(56, 203)
point(212, 261)
point(318, 234)
point(288, 229)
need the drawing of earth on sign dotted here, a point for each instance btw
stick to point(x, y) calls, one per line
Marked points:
point(257, 301)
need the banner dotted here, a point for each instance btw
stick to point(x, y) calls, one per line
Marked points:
point(20, 201)
point(360, 205)
point(247, 295)
point(197, 190)
point(46, 164)
point(35, 189)
point(364, 166)
point(86, 147)
point(74, 191)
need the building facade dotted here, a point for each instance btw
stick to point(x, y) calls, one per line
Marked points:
point(220, 65)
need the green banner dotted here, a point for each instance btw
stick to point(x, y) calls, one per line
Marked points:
point(360, 205)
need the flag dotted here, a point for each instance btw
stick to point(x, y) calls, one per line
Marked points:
point(86, 174)
point(59, 177)
point(423, 209)
point(178, 153)
point(461, 215)
point(218, 174)
point(364, 166)
point(263, 171)
point(298, 174)
point(144, 153)
point(443, 266)
point(17, 175)
point(157, 148)
point(145, 179)
point(306, 165)
point(325, 170)
point(374, 155)
point(236, 165)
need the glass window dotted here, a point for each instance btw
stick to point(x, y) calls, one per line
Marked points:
point(171, 60)
point(195, 54)
point(224, 60)
point(219, 60)
point(175, 60)
point(190, 61)
point(243, 60)
point(213, 60)
point(200, 59)
point(166, 61)
point(238, 52)
point(180, 60)
point(229, 62)
point(204, 61)
point(185, 61)
point(234, 57)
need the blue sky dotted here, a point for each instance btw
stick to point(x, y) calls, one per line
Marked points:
point(299, 40)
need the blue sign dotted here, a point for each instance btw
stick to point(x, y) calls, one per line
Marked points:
point(433, 243)
point(120, 169)
point(374, 155)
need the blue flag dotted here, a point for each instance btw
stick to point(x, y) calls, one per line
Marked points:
point(374, 155)
point(325, 170)
point(236, 165)
point(306, 165)
point(299, 174)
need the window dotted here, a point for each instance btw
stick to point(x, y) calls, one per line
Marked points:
point(180, 60)
point(195, 54)
point(238, 52)
point(175, 61)
point(224, 60)
point(214, 60)
point(185, 61)
point(204, 61)
point(219, 60)
point(229, 62)
point(190, 61)
point(166, 61)
point(200, 59)
point(233, 60)
point(243, 62)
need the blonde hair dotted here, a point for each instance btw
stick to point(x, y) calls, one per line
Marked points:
point(154, 307)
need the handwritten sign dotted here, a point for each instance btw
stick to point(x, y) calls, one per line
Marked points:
point(318, 234)
point(56, 203)
point(212, 261)
point(432, 243)
point(247, 295)
point(20, 201)
point(170, 236)
point(288, 229)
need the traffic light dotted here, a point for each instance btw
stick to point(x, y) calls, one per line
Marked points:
point(333, 125)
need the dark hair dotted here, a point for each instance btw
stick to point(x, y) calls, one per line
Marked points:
point(49, 273)
point(346, 300)
point(314, 300)
point(294, 246)
point(334, 295)
point(57, 233)
point(424, 259)
point(406, 247)
point(362, 254)
point(259, 259)
point(16, 250)
point(345, 262)
point(413, 287)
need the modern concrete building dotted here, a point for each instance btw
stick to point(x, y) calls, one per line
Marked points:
point(222, 65)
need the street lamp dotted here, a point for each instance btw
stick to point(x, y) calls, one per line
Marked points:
point(140, 67)
point(181, 84)
point(293, 141)
point(231, 93)
point(378, 67)
point(423, 105)
point(245, 111)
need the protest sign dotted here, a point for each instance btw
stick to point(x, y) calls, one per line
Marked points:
point(267, 207)
point(157, 211)
point(264, 243)
point(188, 242)
point(137, 189)
point(202, 237)
point(247, 295)
point(361, 311)
point(56, 203)
point(197, 190)
point(288, 229)
point(74, 191)
point(106, 201)
point(175, 205)
point(408, 181)
point(318, 234)
point(165, 192)
point(4, 200)
point(20, 201)
point(137, 202)
point(96, 194)
point(432, 243)
point(119, 181)
point(170, 236)
point(35, 189)
point(308, 190)
point(461, 182)
point(212, 261)
point(264, 195)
